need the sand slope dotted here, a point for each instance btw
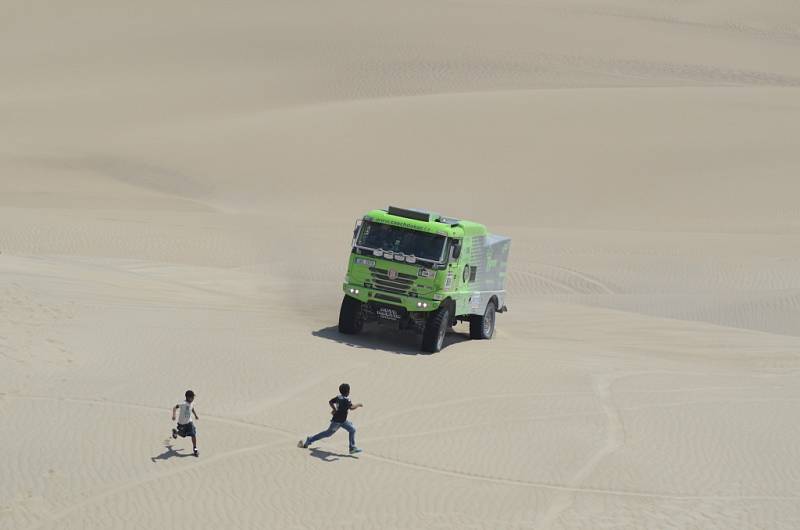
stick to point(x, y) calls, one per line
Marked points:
point(177, 186)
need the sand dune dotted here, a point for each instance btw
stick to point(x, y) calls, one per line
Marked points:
point(178, 182)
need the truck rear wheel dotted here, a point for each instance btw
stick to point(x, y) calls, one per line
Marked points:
point(482, 326)
point(435, 330)
point(351, 316)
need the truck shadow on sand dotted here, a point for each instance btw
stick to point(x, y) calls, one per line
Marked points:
point(392, 341)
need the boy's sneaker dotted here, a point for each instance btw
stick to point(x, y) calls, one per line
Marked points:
point(303, 444)
point(196, 452)
point(354, 450)
point(175, 434)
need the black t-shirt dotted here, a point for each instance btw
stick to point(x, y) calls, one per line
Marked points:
point(342, 407)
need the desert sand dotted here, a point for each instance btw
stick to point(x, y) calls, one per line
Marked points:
point(178, 185)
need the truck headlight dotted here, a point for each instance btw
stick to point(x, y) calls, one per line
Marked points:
point(422, 304)
point(354, 290)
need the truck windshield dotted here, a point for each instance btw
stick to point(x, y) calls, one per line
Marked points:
point(396, 239)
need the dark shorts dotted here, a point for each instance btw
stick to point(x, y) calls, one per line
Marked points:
point(187, 429)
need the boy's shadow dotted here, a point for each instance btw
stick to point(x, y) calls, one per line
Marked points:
point(169, 453)
point(327, 456)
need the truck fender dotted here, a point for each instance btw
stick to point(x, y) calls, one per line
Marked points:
point(494, 299)
point(450, 303)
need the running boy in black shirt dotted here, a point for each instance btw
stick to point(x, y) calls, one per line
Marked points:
point(340, 406)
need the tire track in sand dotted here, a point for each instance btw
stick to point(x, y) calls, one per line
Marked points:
point(571, 490)
point(54, 517)
point(602, 387)
point(615, 438)
point(90, 401)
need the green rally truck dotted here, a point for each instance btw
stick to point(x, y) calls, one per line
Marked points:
point(424, 272)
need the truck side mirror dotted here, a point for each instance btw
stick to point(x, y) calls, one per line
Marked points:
point(456, 252)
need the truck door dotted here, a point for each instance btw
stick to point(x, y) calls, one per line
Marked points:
point(463, 273)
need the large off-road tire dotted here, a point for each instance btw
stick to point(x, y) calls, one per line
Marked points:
point(436, 329)
point(351, 316)
point(482, 326)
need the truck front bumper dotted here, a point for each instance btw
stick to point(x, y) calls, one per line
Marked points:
point(412, 304)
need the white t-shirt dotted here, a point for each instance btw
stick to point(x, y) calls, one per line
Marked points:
point(185, 412)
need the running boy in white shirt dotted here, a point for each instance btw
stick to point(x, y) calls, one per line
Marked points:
point(185, 425)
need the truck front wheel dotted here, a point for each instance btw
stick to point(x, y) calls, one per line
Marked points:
point(351, 316)
point(482, 326)
point(435, 330)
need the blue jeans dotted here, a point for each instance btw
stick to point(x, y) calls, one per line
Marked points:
point(349, 427)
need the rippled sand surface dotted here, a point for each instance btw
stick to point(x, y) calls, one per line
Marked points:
point(178, 183)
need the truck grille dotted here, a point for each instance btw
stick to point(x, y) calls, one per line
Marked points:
point(389, 298)
point(399, 285)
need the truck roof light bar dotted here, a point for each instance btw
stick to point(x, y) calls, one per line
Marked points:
point(417, 215)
